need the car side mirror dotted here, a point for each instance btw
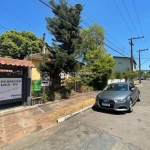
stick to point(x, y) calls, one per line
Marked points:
point(132, 89)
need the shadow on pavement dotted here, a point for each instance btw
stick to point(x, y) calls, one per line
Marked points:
point(94, 108)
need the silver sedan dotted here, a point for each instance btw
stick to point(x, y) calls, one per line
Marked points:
point(118, 96)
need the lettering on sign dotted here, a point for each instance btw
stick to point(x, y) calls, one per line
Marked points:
point(10, 88)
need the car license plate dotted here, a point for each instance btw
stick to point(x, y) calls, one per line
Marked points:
point(105, 104)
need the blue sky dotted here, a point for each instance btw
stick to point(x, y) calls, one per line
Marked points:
point(130, 21)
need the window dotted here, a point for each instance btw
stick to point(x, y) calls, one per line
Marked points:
point(119, 62)
point(117, 87)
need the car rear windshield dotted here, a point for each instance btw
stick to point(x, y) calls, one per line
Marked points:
point(117, 87)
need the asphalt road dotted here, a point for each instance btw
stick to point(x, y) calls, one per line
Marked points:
point(97, 130)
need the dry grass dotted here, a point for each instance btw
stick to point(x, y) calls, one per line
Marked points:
point(66, 110)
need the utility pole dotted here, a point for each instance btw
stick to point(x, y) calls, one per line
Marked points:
point(131, 43)
point(43, 52)
point(140, 64)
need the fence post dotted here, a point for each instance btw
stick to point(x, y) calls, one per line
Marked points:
point(28, 88)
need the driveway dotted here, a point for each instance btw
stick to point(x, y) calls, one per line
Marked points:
point(97, 130)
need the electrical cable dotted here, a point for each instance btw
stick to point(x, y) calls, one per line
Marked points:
point(38, 4)
point(124, 20)
point(106, 33)
point(139, 21)
point(4, 27)
point(80, 27)
point(145, 61)
point(131, 20)
point(19, 18)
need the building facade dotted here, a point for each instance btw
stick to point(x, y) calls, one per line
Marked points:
point(123, 63)
point(35, 59)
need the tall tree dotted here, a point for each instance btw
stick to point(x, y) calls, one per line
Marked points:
point(92, 39)
point(64, 26)
point(19, 44)
point(98, 62)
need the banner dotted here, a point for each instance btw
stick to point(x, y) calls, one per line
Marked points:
point(37, 86)
point(10, 88)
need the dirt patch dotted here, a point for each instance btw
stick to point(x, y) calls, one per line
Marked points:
point(66, 110)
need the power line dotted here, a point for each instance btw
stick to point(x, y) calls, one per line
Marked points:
point(115, 41)
point(19, 18)
point(105, 37)
point(105, 32)
point(130, 16)
point(145, 61)
point(79, 27)
point(124, 19)
point(116, 46)
point(85, 23)
point(131, 19)
point(110, 46)
point(86, 16)
point(137, 16)
point(63, 17)
point(139, 21)
point(39, 5)
point(113, 49)
point(141, 58)
point(4, 27)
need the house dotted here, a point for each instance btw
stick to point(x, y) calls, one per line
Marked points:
point(146, 71)
point(36, 59)
point(123, 63)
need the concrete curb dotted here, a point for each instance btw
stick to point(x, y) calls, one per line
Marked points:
point(73, 114)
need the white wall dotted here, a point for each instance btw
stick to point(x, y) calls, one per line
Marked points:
point(116, 80)
point(121, 64)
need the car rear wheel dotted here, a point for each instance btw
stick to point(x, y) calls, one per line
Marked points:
point(131, 107)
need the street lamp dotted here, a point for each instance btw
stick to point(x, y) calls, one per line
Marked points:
point(140, 64)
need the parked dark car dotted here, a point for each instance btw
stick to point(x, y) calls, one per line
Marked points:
point(118, 96)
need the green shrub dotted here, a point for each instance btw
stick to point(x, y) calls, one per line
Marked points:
point(44, 97)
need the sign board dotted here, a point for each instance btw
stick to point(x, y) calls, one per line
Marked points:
point(10, 88)
point(45, 82)
point(62, 75)
point(37, 86)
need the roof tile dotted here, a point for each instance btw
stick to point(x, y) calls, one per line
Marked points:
point(16, 62)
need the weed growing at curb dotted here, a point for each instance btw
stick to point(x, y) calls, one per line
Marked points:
point(66, 110)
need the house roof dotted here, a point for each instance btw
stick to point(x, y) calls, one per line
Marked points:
point(16, 62)
point(36, 56)
point(124, 57)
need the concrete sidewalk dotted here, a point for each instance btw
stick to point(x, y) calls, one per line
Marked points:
point(19, 122)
